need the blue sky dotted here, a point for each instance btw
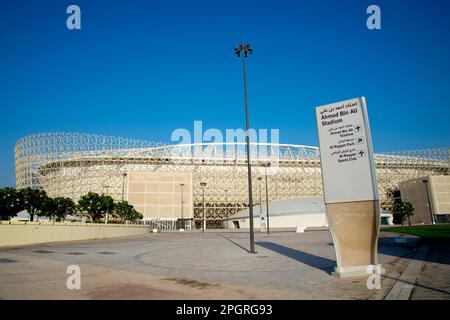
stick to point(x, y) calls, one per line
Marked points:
point(141, 69)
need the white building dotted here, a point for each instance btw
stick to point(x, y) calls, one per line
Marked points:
point(289, 213)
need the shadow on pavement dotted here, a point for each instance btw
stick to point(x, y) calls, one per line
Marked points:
point(438, 253)
point(311, 260)
point(235, 243)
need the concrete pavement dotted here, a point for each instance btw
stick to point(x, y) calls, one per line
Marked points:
point(192, 265)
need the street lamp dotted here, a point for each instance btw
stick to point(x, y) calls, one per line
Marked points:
point(73, 189)
point(226, 197)
point(260, 203)
point(203, 185)
point(260, 200)
point(106, 215)
point(244, 50)
point(123, 184)
point(266, 165)
point(182, 218)
point(429, 201)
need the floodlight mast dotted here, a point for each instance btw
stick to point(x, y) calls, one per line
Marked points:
point(266, 165)
point(182, 204)
point(203, 185)
point(123, 184)
point(245, 50)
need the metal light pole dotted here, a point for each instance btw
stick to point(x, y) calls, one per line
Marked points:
point(123, 184)
point(106, 215)
point(73, 189)
point(267, 198)
point(429, 201)
point(260, 199)
point(203, 185)
point(244, 50)
point(182, 218)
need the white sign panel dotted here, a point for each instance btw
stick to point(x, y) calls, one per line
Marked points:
point(263, 221)
point(346, 152)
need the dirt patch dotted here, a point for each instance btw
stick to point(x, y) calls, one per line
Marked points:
point(6, 260)
point(193, 283)
point(43, 251)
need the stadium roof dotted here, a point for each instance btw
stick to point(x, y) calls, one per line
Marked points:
point(286, 207)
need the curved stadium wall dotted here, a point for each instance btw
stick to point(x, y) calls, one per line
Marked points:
point(72, 164)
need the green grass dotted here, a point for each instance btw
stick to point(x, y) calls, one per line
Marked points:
point(440, 232)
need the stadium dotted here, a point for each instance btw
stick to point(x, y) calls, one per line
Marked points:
point(168, 182)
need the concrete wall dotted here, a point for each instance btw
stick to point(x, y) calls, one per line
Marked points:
point(440, 194)
point(13, 233)
point(416, 192)
point(158, 195)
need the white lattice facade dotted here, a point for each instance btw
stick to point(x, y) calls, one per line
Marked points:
point(71, 165)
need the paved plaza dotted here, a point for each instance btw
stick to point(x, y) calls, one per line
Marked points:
point(213, 265)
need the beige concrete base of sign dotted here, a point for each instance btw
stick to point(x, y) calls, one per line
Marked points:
point(358, 271)
point(354, 227)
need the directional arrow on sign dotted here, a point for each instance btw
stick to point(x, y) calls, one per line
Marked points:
point(361, 153)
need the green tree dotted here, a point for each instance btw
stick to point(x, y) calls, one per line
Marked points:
point(49, 208)
point(126, 211)
point(95, 206)
point(34, 201)
point(408, 208)
point(63, 207)
point(401, 211)
point(11, 203)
